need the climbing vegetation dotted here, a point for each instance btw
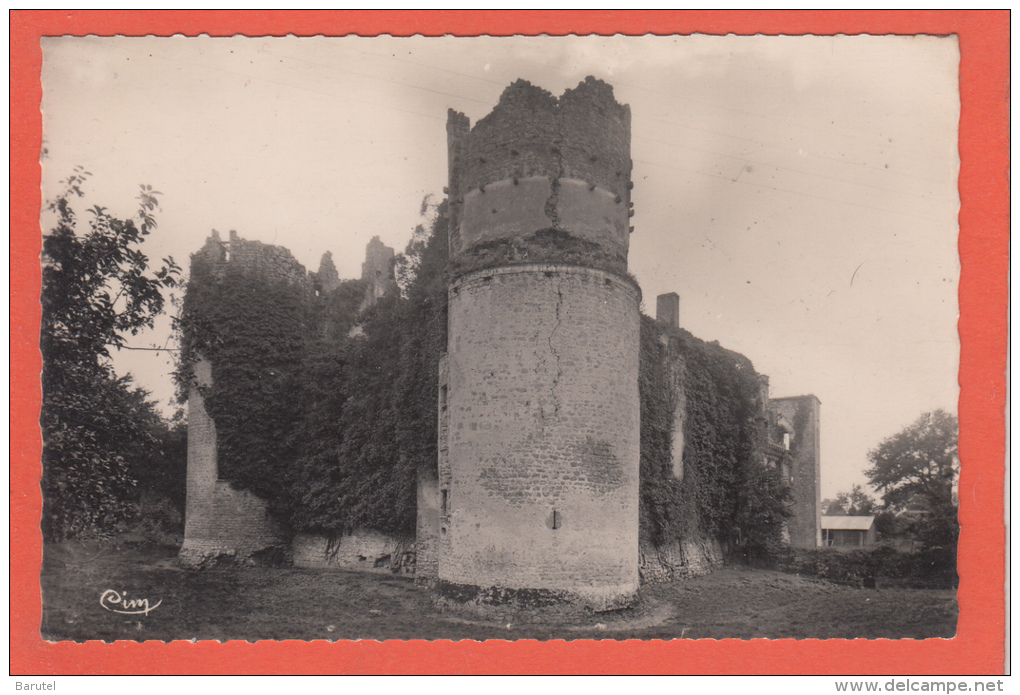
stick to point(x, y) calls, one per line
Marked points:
point(710, 396)
point(324, 407)
point(328, 409)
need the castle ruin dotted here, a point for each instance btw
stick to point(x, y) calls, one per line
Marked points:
point(535, 493)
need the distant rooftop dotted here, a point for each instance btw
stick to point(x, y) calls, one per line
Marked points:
point(847, 523)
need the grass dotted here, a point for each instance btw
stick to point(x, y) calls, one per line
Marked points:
point(262, 603)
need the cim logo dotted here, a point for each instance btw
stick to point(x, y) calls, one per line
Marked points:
point(118, 602)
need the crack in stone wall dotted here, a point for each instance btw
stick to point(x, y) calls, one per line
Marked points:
point(552, 349)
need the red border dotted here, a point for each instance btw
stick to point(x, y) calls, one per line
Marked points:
point(979, 647)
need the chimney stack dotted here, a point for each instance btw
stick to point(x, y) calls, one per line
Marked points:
point(667, 309)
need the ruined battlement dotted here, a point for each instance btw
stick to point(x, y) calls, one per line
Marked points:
point(221, 520)
point(539, 163)
point(800, 418)
point(271, 262)
point(377, 271)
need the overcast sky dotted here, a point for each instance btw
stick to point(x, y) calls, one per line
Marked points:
point(799, 193)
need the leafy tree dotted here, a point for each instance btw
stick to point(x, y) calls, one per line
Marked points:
point(857, 502)
point(97, 289)
point(832, 507)
point(917, 468)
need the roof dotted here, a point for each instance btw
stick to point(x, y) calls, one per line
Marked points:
point(847, 523)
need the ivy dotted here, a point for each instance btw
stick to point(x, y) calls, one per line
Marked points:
point(324, 408)
point(329, 411)
point(543, 246)
point(726, 491)
point(252, 328)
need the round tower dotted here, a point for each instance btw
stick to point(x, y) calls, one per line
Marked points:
point(539, 409)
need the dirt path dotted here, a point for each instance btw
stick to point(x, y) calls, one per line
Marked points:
point(260, 603)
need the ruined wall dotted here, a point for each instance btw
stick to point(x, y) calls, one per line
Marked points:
point(228, 279)
point(804, 460)
point(327, 278)
point(377, 271)
point(688, 552)
point(538, 162)
point(218, 519)
point(362, 550)
point(433, 525)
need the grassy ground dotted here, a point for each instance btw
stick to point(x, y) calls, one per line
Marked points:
point(258, 603)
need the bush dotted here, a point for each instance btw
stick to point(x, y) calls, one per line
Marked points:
point(874, 566)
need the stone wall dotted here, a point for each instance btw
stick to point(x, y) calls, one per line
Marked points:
point(678, 559)
point(362, 550)
point(218, 520)
point(538, 162)
point(427, 528)
point(377, 271)
point(434, 487)
point(223, 521)
point(804, 460)
point(543, 433)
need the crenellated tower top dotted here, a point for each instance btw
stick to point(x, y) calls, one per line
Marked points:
point(542, 179)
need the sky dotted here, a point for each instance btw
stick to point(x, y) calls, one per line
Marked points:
point(799, 193)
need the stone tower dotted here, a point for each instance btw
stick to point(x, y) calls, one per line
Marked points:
point(539, 427)
point(803, 413)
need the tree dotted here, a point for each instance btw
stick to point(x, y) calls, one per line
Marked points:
point(854, 503)
point(97, 289)
point(832, 507)
point(918, 468)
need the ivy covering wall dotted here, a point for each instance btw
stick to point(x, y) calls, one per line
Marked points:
point(331, 425)
point(724, 490)
point(326, 423)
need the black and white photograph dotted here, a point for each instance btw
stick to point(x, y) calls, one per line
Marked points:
point(475, 338)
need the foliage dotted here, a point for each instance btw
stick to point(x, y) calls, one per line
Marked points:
point(253, 329)
point(97, 285)
point(857, 502)
point(725, 491)
point(423, 341)
point(161, 470)
point(543, 246)
point(335, 444)
point(915, 470)
point(97, 289)
point(323, 407)
point(882, 563)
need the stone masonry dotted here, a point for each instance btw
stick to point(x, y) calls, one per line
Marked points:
point(377, 272)
point(801, 415)
point(220, 520)
point(534, 495)
point(539, 429)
